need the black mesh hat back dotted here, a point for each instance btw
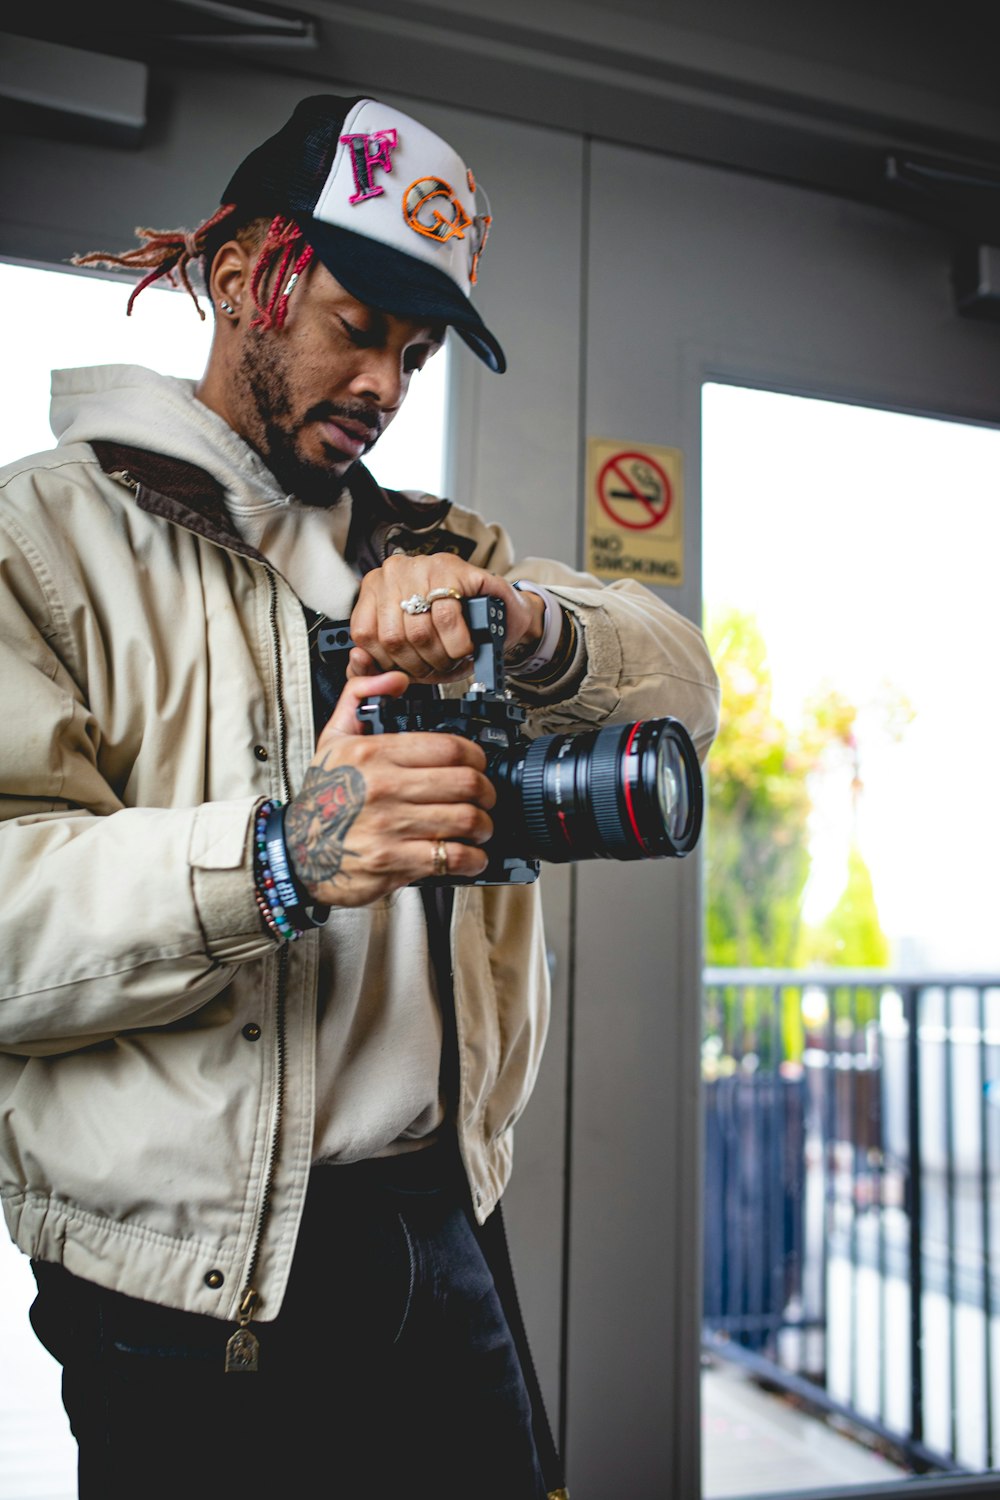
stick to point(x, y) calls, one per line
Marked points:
point(388, 206)
point(286, 173)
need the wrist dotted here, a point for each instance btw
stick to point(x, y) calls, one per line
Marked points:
point(532, 638)
point(535, 651)
point(284, 903)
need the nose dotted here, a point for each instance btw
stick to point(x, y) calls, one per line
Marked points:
point(381, 379)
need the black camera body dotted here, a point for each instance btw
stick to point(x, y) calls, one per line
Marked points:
point(623, 792)
point(484, 713)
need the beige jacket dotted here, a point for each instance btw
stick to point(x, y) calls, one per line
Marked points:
point(157, 1047)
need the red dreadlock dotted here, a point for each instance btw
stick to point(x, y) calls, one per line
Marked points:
point(284, 239)
point(168, 252)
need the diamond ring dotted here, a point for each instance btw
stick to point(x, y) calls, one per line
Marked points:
point(415, 605)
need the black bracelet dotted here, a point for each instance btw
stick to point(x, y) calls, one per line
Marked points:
point(285, 905)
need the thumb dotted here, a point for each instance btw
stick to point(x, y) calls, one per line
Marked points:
point(344, 719)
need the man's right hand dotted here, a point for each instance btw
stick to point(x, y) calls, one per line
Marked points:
point(373, 809)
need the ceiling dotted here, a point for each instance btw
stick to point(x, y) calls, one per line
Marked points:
point(889, 103)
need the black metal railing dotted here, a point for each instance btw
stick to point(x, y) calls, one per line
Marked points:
point(852, 1207)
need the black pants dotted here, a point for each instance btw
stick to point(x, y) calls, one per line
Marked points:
point(390, 1369)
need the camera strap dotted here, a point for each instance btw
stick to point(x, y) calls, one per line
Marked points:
point(439, 901)
point(492, 1236)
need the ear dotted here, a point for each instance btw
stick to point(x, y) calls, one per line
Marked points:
point(229, 280)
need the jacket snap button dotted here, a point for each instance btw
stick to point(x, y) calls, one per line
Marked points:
point(260, 751)
point(252, 1032)
point(214, 1279)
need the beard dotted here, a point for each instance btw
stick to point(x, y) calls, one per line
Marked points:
point(264, 392)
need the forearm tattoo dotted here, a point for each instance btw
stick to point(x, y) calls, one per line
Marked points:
point(317, 821)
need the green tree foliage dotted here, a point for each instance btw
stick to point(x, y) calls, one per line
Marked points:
point(757, 824)
point(851, 935)
point(757, 860)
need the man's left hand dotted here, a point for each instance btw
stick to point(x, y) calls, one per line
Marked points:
point(433, 645)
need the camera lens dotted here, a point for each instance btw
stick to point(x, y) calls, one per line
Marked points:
point(626, 791)
point(672, 789)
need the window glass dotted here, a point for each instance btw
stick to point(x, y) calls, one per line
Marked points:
point(851, 1028)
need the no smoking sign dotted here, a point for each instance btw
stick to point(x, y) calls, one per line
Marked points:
point(634, 511)
point(634, 491)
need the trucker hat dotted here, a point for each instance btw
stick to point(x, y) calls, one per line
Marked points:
point(390, 208)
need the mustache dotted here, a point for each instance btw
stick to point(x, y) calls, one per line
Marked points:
point(351, 411)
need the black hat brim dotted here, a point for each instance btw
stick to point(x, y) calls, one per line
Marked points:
point(383, 277)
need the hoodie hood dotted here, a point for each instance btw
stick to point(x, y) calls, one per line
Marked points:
point(139, 408)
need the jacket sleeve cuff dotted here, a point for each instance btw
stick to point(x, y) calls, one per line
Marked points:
point(667, 670)
point(559, 677)
point(221, 861)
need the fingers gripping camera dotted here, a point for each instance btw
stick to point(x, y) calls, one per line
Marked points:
point(625, 791)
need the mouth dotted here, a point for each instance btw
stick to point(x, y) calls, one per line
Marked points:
point(348, 436)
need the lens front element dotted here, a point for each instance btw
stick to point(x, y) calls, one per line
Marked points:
point(672, 789)
point(661, 789)
point(627, 791)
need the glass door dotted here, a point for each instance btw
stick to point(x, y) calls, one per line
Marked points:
point(851, 1027)
point(698, 276)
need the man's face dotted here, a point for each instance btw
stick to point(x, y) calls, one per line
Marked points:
point(314, 395)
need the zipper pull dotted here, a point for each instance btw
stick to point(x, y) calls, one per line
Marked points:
point(243, 1348)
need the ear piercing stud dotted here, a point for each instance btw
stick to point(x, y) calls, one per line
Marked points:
point(227, 307)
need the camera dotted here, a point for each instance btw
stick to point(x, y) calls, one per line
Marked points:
point(622, 792)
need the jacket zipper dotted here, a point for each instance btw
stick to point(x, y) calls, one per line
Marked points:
point(243, 1348)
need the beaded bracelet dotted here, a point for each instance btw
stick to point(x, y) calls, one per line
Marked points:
point(281, 901)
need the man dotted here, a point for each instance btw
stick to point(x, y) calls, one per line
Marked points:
point(257, 1083)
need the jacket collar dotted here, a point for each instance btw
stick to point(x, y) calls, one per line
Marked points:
point(190, 497)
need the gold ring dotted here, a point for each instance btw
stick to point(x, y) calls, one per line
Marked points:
point(444, 594)
point(440, 857)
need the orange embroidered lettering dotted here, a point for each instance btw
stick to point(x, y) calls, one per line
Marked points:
point(431, 208)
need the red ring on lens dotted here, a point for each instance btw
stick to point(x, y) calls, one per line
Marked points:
point(628, 789)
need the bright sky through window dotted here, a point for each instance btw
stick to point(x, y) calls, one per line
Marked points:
point(65, 319)
point(865, 543)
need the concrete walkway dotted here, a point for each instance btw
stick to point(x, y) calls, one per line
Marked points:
point(756, 1443)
